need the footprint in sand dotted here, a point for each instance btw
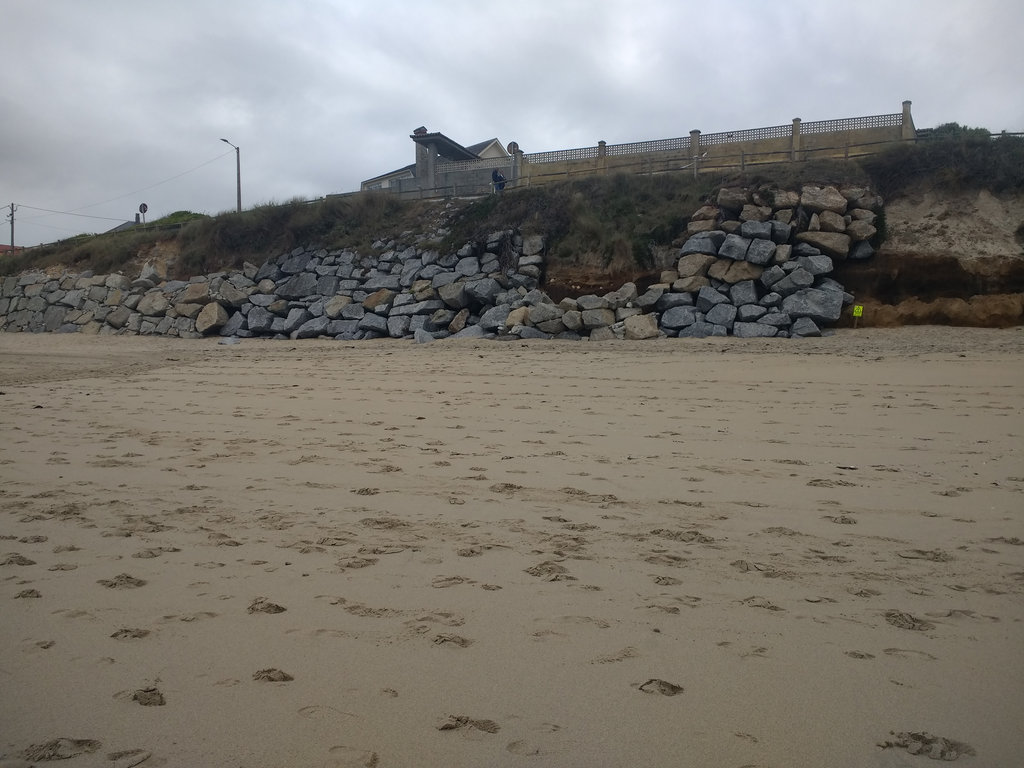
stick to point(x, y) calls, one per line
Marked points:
point(665, 688)
point(262, 605)
point(442, 582)
point(28, 593)
point(756, 601)
point(458, 722)
point(907, 621)
point(272, 675)
point(122, 581)
point(15, 559)
point(550, 571)
point(922, 743)
point(323, 712)
point(130, 634)
point(456, 640)
point(908, 652)
point(60, 749)
point(351, 757)
point(149, 697)
point(128, 758)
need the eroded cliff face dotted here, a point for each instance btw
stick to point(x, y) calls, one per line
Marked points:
point(948, 259)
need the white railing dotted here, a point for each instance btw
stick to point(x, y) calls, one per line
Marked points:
point(853, 123)
point(750, 134)
point(582, 153)
point(483, 163)
point(638, 147)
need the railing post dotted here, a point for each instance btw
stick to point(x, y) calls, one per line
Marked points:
point(908, 131)
point(695, 149)
point(794, 152)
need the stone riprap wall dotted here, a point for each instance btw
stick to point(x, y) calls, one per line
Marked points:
point(756, 263)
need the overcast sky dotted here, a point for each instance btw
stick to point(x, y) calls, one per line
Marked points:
point(107, 104)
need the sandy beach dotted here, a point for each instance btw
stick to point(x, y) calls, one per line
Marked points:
point(711, 552)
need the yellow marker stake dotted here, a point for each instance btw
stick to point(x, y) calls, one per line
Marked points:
point(858, 312)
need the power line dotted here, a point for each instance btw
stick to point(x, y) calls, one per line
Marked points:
point(67, 213)
point(119, 197)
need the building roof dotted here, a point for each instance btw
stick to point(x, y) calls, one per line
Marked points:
point(445, 147)
point(476, 149)
point(410, 169)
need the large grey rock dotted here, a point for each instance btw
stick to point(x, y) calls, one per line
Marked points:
point(776, 320)
point(153, 304)
point(573, 319)
point(733, 198)
point(687, 285)
point(296, 317)
point(694, 264)
point(734, 247)
point(427, 307)
point(708, 297)
point(816, 265)
point(234, 325)
point(327, 285)
point(829, 221)
point(454, 295)
point(756, 230)
point(744, 330)
point(701, 329)
point(540, 313)
point(398, 326)
point(494, 318)
point(597, 318)
point(640, 327)
point(194, 293)
point(468, 266)
point(861, 251)
point(483, 292)
point(391, 282)
point(678, 317)
point(781, 231)
point(721, 314)
point(743, 292)
point(211, 318)
point(835, 244)
point(804, 326)
point(53, 318)
point(796, 280)
point(760, 251)
point(317, 326)
point(590, 301)
point(669, 300)
point(703, 242)
point(374, 323)
point(533, 245)
point(820, 306)
point(232, 296)
point(828, 198)
point(860, 231)
point(624, 295)
point(470, 332)
point(298, 286)
point(749, 313)
point(259, 320)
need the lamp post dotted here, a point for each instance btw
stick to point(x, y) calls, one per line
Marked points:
point(238, 171)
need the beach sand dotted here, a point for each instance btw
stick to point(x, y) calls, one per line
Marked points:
point(674, 553)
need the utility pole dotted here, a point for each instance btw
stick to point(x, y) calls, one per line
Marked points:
point(238, 171)
point(11, 215)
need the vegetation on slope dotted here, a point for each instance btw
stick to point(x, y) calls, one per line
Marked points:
point(604, 221)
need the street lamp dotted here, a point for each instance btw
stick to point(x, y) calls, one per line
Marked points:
point(238, 171)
